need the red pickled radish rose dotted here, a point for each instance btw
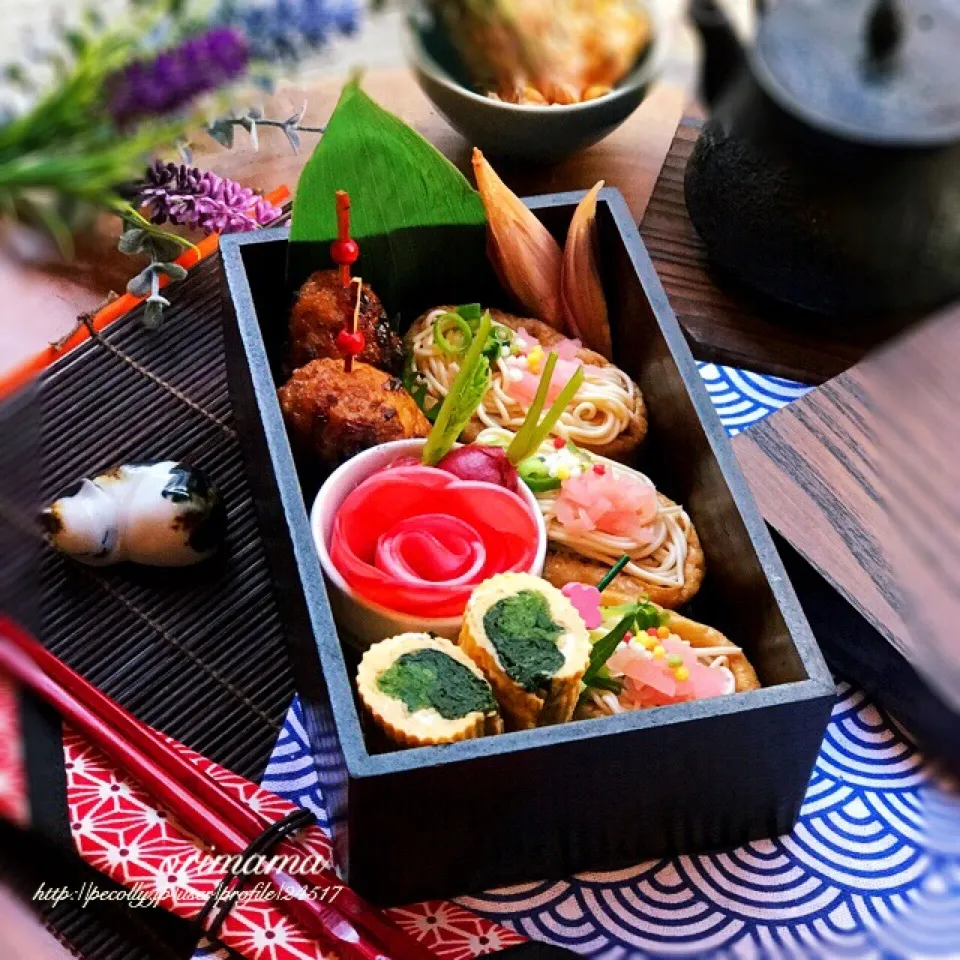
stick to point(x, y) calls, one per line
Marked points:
point(478, 462)
point(417, 540)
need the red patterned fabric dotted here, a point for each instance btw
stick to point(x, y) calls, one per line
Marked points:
point(13, 786)
point(121, 832)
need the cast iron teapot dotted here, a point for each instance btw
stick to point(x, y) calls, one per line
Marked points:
point(828, 174)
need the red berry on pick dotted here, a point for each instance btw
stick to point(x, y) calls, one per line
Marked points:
point(351, 344)
point(344, 251)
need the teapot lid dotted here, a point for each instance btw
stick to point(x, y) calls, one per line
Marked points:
point(877, 71)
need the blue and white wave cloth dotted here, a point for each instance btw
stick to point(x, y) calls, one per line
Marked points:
point(872, 869)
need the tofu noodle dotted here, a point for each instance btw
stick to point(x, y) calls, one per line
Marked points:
point(658, 560)
point(601, 410)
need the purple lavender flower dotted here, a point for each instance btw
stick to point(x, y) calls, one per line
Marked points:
point(287, 30)
point(189, 197)
point(177, 76)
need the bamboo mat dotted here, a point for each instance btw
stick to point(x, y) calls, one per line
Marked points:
point(197, 652)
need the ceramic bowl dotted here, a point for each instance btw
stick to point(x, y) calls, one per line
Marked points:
point(516, 131)
point(366, 622)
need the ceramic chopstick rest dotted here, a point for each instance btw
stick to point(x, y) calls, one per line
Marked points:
point(164, 514)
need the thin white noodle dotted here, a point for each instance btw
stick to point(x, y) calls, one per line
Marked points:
point(603, 408)
point(660, 561)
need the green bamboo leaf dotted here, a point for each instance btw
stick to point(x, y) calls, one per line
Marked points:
point(421, 227)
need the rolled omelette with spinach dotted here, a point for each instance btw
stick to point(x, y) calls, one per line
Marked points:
point(423, 690)
point(531, 644)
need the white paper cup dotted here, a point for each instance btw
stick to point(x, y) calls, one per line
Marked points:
point(362, 622)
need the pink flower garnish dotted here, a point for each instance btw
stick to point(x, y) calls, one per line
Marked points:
point(586, 599)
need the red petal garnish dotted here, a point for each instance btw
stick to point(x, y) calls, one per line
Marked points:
point(418, 540)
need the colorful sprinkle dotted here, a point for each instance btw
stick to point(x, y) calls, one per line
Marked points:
point(599, 469)
point(559, 443)
point(681, 674)
point(663, 632)
point(674, 660)
point(658, 652)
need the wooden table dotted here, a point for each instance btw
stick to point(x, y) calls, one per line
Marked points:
point(41, 302)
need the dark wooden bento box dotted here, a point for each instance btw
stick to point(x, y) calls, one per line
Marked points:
point(596, 794)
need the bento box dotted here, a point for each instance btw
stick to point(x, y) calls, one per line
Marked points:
point(595, 794)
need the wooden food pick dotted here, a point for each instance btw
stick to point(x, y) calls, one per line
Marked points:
point(345, 251)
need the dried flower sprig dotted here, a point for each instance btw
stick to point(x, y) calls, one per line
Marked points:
point(222, 129)
point(161, 249)
point(189, 197)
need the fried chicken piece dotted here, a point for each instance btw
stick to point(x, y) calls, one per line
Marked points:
point(323, 308)
point(337, 414)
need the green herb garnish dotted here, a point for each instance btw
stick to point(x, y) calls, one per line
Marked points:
point(470, 311)
point(463, 398)
point(531, 434)
point(638, 616)
point(603, 649)
point(612, 573)
point(416, 386)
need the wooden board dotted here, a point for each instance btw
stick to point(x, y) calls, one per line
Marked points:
point(724, 323)
point(862, 477)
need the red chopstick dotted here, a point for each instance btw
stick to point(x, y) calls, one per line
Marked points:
point(206, 822)
point(248, 822)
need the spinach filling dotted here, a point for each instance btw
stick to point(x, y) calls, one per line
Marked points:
point(525, 637)
point(429, 678)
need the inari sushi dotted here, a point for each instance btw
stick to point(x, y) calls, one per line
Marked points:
point(423, 690)
point(531, 644)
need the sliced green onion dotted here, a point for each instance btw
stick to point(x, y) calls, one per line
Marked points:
point(452, 322)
